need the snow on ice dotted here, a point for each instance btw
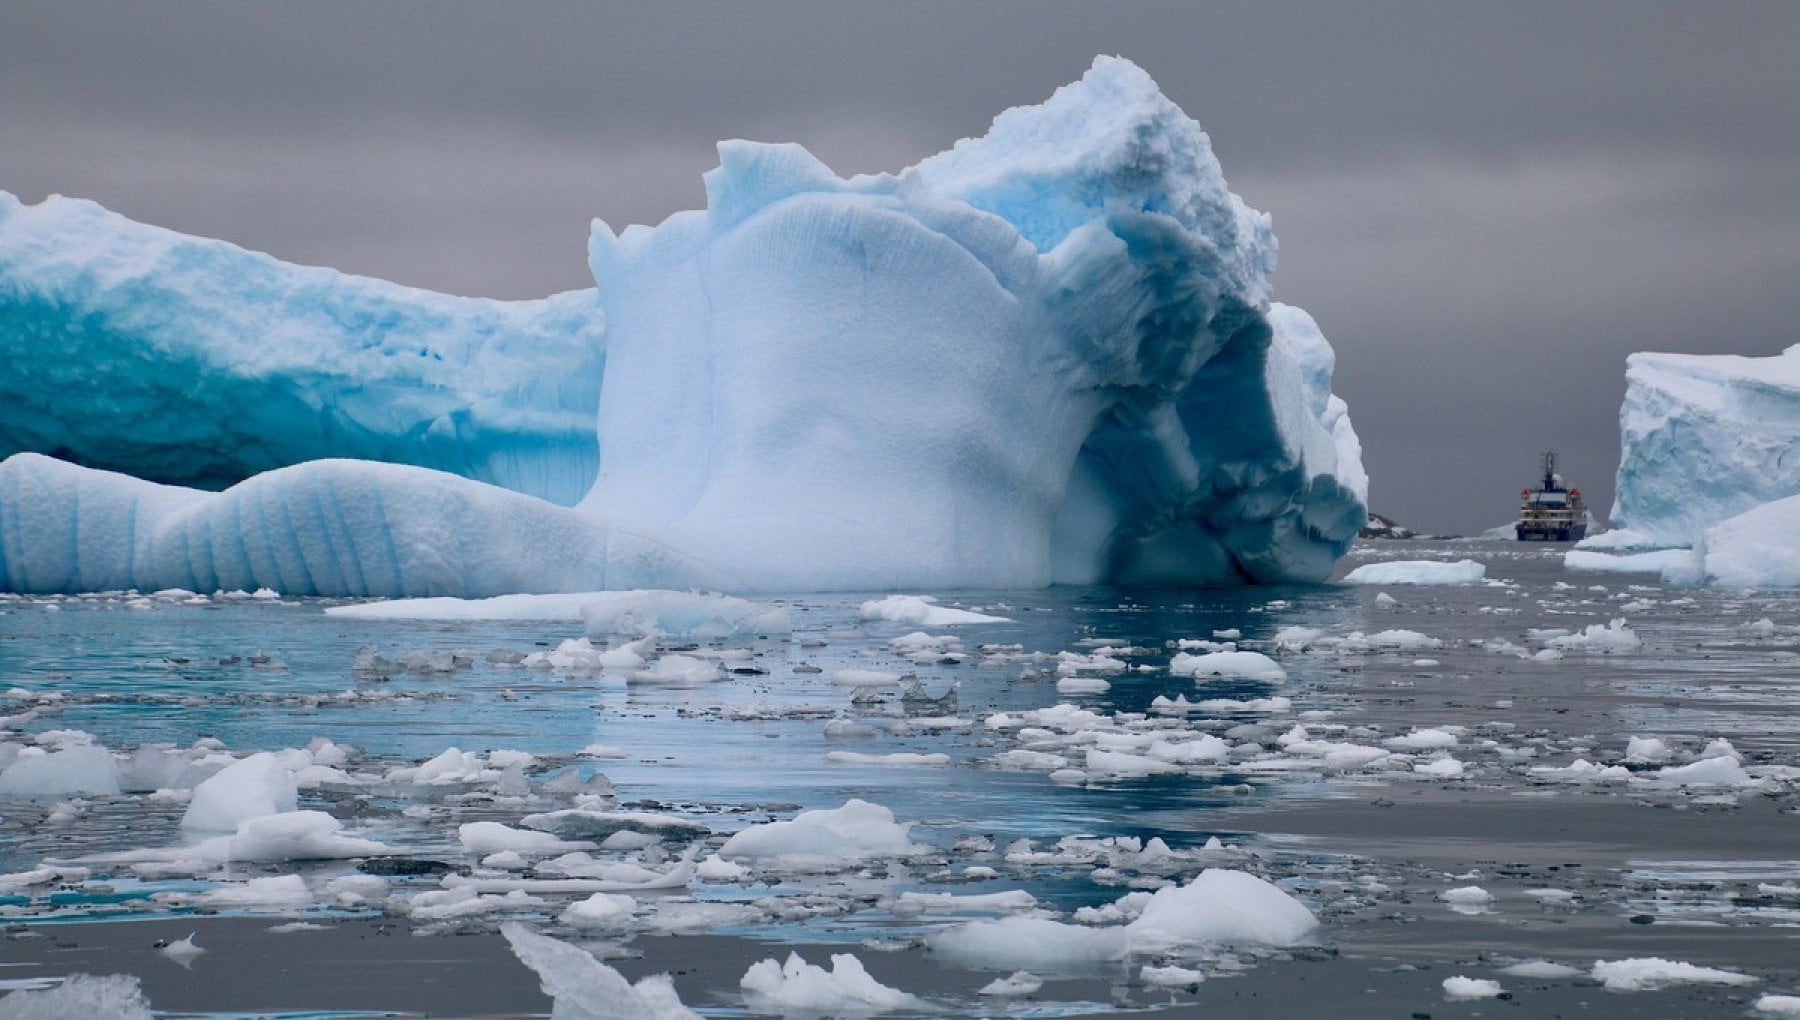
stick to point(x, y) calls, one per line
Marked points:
point(865, 411)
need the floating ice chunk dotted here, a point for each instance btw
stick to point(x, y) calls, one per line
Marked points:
point(80, 997)
point(463, 901)
point(275, 892)
point(798, 987)
point(580, 655)
point(601, 910)
point(1418, 572)
point(1022, 982)
point(637, 613)
point(1120, 765)
point(1082, 685)
point(1467, 899)
point(1171, 977)
point(1440, 768)
point(1029, 943)
point(1236, 665)
point(1397, 640)
point(1552, 897)
point(1716, 771)
point(1460, 988)
point(1221, 906)
point(923, 611)
point(1422, 740)
point(856, 831)
point(1649, 750)
point(679, 670)
point(583, 988)
point(1582, 770)
point(1777, 1005)
point(1654, 562)
point(288, 836)
point(718, 869)
point(255, 786)
point(898, 758)
point(1648, 974)
point(182, 951)
point(583, 823)
point(494, 837)
point(911, 903)
point(865, 678)
point(1616, 636)
point(76, 771)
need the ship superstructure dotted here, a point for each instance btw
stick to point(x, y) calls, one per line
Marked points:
point(1551, 512)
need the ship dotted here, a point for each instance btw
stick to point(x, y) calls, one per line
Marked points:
point(1551, 512)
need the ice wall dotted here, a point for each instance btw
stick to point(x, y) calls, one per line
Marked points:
point(1045, 355)
point(1704, 438)
point(193, 361)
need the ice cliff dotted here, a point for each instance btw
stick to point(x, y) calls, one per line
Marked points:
point(1709, 460)
point(192, 361)
point(1047, 354)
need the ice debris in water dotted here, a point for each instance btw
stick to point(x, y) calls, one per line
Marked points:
point(1418, 572)
point(868, 423)
point(1460, 987)
point(923, 611)
point(796, 987)
point(583, 988)
point(1219, 907)
point(1647, 974)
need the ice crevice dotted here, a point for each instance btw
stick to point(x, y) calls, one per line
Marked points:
point(1046, 354)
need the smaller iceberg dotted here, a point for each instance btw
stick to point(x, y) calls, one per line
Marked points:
point(1708, 464)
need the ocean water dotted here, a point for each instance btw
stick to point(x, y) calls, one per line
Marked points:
point(1435, 751)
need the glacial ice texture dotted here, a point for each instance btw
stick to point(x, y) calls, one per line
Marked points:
point(1704, 438)
point(1047, 354)
point(192, 361)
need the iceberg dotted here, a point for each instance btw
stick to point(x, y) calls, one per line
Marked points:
point(1703, 438)
point(1045, 355)
point(1704, 471)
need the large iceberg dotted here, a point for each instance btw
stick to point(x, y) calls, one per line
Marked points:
point(1044, 355)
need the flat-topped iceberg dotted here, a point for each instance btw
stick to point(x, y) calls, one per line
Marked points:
point(1708, 463)
point(1702, 438)
point(1047, 354)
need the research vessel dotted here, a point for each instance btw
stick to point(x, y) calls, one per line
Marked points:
point(1551, 512)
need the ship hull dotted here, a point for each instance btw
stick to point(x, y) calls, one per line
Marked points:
point(1546, 533)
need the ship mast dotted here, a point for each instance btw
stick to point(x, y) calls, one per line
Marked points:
point(1548, 459)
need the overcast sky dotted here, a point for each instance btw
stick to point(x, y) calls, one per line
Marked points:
point(1486, 206)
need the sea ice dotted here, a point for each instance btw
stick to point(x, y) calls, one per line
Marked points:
point(1047, 354)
